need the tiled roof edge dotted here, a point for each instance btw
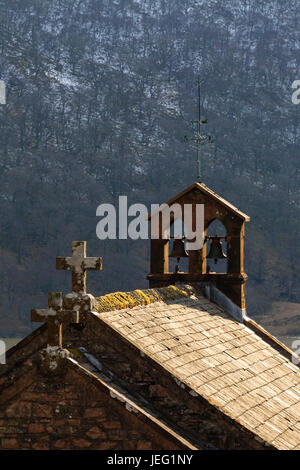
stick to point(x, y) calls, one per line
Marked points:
point(131, 405)
point(272, 341)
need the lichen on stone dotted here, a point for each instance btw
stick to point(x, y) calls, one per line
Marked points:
point(76, 354)
point(51, 360)
point(122, 300)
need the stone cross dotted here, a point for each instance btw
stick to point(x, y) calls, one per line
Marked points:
point(53, 316)
point(79, 264)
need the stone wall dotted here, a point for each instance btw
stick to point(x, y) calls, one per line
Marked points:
point(69, 411)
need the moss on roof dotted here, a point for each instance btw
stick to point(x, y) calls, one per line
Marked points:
point(122, 300)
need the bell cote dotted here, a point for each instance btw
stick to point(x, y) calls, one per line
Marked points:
point(198, 266)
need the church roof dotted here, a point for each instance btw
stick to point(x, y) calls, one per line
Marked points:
point(245, 376)
point(235, 367)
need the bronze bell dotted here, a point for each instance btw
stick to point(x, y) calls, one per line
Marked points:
point(178, 249)
point(216, 250)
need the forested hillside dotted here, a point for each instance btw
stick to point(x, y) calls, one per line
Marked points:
point(100, 94)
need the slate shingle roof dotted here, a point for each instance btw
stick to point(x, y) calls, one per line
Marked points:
point(220, 359)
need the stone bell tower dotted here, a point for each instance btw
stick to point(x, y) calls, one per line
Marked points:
point(230, 283)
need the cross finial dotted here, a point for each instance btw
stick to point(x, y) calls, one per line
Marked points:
point(53, 316)
point(79, 264)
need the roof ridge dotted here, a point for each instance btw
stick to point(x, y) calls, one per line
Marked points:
point(123, 300)
point(203, 188)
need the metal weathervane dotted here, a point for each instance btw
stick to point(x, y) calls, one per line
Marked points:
point(198, 138)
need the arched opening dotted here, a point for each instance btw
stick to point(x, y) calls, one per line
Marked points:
point(177, 231)
point(217, 264)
